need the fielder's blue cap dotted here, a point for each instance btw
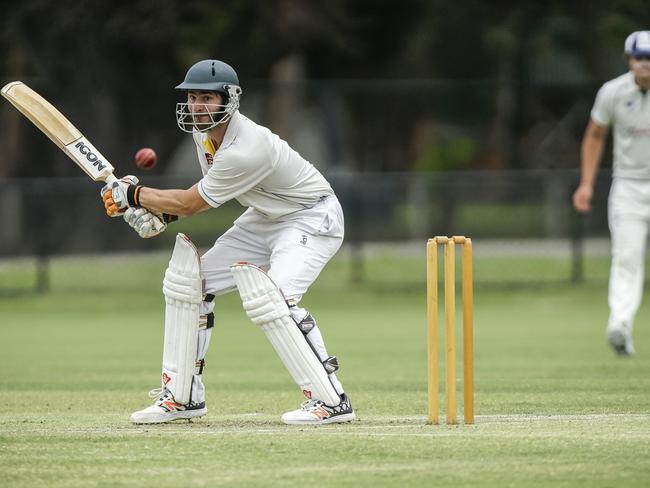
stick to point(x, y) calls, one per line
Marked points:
point(638, 44)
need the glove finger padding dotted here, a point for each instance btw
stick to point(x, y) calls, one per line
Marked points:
point(131, 215)
point(112, 209)
point(151, 227)
point(142, 218)
point(146, 223)
point(114, 195)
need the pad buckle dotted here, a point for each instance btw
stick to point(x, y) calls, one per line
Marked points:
point(206, 321)
point(331, 364)
point(199, 364)
point(307, 324)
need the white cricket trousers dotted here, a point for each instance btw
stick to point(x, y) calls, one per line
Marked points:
point(293, 251)
point(629, 216)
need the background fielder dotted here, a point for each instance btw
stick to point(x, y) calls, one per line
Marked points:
point(293, 226)
point(623, 103)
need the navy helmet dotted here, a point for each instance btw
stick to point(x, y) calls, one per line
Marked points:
point(209, 75)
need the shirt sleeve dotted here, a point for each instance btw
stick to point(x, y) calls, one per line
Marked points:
point(603, 110)
point(233, 173)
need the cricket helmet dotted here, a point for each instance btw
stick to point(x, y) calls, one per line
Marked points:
point(209, 75)
point(638, 44)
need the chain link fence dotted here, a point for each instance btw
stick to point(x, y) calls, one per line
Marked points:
point(64, 216)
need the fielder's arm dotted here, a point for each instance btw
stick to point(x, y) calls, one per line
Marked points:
point(593, 143)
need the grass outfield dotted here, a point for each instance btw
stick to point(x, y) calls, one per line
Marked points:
point(554, 406)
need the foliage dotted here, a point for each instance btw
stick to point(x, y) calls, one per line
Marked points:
point(112, 66)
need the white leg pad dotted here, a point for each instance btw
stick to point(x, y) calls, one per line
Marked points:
point(265, 306)
point(183, 292)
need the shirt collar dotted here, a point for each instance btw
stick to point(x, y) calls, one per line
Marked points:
point(633, 84)
point(232, 130)
point(228, 137)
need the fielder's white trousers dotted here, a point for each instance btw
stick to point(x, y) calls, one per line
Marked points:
point(629, 216)
point(293, 250)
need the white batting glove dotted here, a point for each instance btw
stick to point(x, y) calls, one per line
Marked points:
point(120, 195)
point(146, 223)
point(142, 220)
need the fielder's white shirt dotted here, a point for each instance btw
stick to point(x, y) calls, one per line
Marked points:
point(259, 170)
point(621, 103)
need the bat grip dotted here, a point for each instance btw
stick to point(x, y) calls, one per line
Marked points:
point(110, 179)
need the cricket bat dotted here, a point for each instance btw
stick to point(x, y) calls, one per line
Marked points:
point(60, 130)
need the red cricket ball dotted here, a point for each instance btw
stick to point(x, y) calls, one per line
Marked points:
point(146, 158)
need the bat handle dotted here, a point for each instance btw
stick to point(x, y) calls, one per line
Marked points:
point(110, 179)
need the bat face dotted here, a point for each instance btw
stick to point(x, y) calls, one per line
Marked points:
point(91, 161)
point(59, 129)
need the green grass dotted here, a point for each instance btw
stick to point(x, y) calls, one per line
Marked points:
point(554, 406)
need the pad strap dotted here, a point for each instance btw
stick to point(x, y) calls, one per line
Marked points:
point(331, 365)
point(306, 325)
point(200, 363)
point(206, 321)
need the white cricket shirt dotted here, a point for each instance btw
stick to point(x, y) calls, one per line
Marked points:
point(259, 170)
point(621, 103)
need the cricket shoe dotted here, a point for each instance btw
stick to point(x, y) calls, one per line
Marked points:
point(315, 412)
point(620, 340)
point(166, 409)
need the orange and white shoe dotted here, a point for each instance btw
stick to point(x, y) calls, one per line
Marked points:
point(315, 412)
point(166, 409)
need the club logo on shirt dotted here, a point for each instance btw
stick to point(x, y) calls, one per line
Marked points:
point(629, 104)
point(303, 241)
point(208, 156)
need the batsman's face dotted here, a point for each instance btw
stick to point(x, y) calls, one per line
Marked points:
point(640, 66)
point(202, 104)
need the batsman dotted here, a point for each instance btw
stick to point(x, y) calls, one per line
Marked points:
point(273, 252)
